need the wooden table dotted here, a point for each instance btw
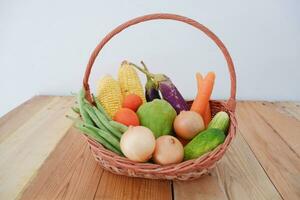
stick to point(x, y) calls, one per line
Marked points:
point(43, 157)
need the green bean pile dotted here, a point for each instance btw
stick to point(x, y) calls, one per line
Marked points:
point(96, 124)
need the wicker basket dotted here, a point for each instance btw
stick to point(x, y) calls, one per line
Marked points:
point(187, 170)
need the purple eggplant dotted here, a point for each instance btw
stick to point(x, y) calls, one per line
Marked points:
point(167, 89)
point(151, 89)
point(151, 92)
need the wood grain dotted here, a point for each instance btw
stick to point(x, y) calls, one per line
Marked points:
point(237, 176)
point(24, 150)
point(207, 187)
point(70, 172)
point(287, 127)
point(18, 116)
point(115, 187)
point(290, 108)
point(132, 188)
point(281, 164)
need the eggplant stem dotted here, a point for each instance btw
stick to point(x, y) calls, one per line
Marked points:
point(145, 67)
point(143, 70)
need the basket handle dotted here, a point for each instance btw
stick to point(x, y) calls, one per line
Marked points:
point(231, 102)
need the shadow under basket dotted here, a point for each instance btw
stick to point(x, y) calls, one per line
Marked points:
point(186, 170)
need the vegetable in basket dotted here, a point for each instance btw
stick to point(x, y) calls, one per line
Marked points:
point(132, 101)
point(129, 80)
point(95, 135)
point(204, 142)
point(168, 150)
point(220, 121)
point(99, 135)
point(157, 115)
point(138, 143)
point(127, 117)
point(168, 90)
point(151, 91)
point(80, 99)
point(201, 101)
point(207, 114)
point(100, 108)
point(101, 128)
point(188, 124)
point(118, 126)
point(109, 94)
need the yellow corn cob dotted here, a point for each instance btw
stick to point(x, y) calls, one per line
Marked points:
point(129, 81)
point(109, 94)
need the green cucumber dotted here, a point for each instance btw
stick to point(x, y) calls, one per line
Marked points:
point(204, 142)
point(220, 121)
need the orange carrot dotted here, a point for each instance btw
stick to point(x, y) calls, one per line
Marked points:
point(207, 115)
point(205, 87)
point(195, 104)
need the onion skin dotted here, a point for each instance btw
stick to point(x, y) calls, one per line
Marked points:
point(138, 143)
point(168, 150)
point(188, 124)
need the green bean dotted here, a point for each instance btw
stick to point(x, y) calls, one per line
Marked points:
point(105, 122)
point(76, 110)
point(119, 126)
point(102, 121)
point(97, 137)
point(107, 136)
point(86, 118)
point(100, 108)
point(87, 102)
point(92, 115)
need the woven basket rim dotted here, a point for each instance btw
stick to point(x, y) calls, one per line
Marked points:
point(165, 16)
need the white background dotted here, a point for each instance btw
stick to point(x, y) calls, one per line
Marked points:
point(45, 45)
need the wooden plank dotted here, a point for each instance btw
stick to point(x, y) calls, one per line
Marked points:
point(70, 172)
point(287, 127)
point(276, 157)
point(18, 116)
point(121, 187)
point(23, 151)
point(237, 176)
point(290, 108)
point(207, 187)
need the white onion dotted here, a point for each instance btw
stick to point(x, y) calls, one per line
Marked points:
point(188, 124)
point(138, 143)
point(168, 150)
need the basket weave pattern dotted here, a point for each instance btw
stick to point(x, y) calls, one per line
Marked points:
point(186, 170)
